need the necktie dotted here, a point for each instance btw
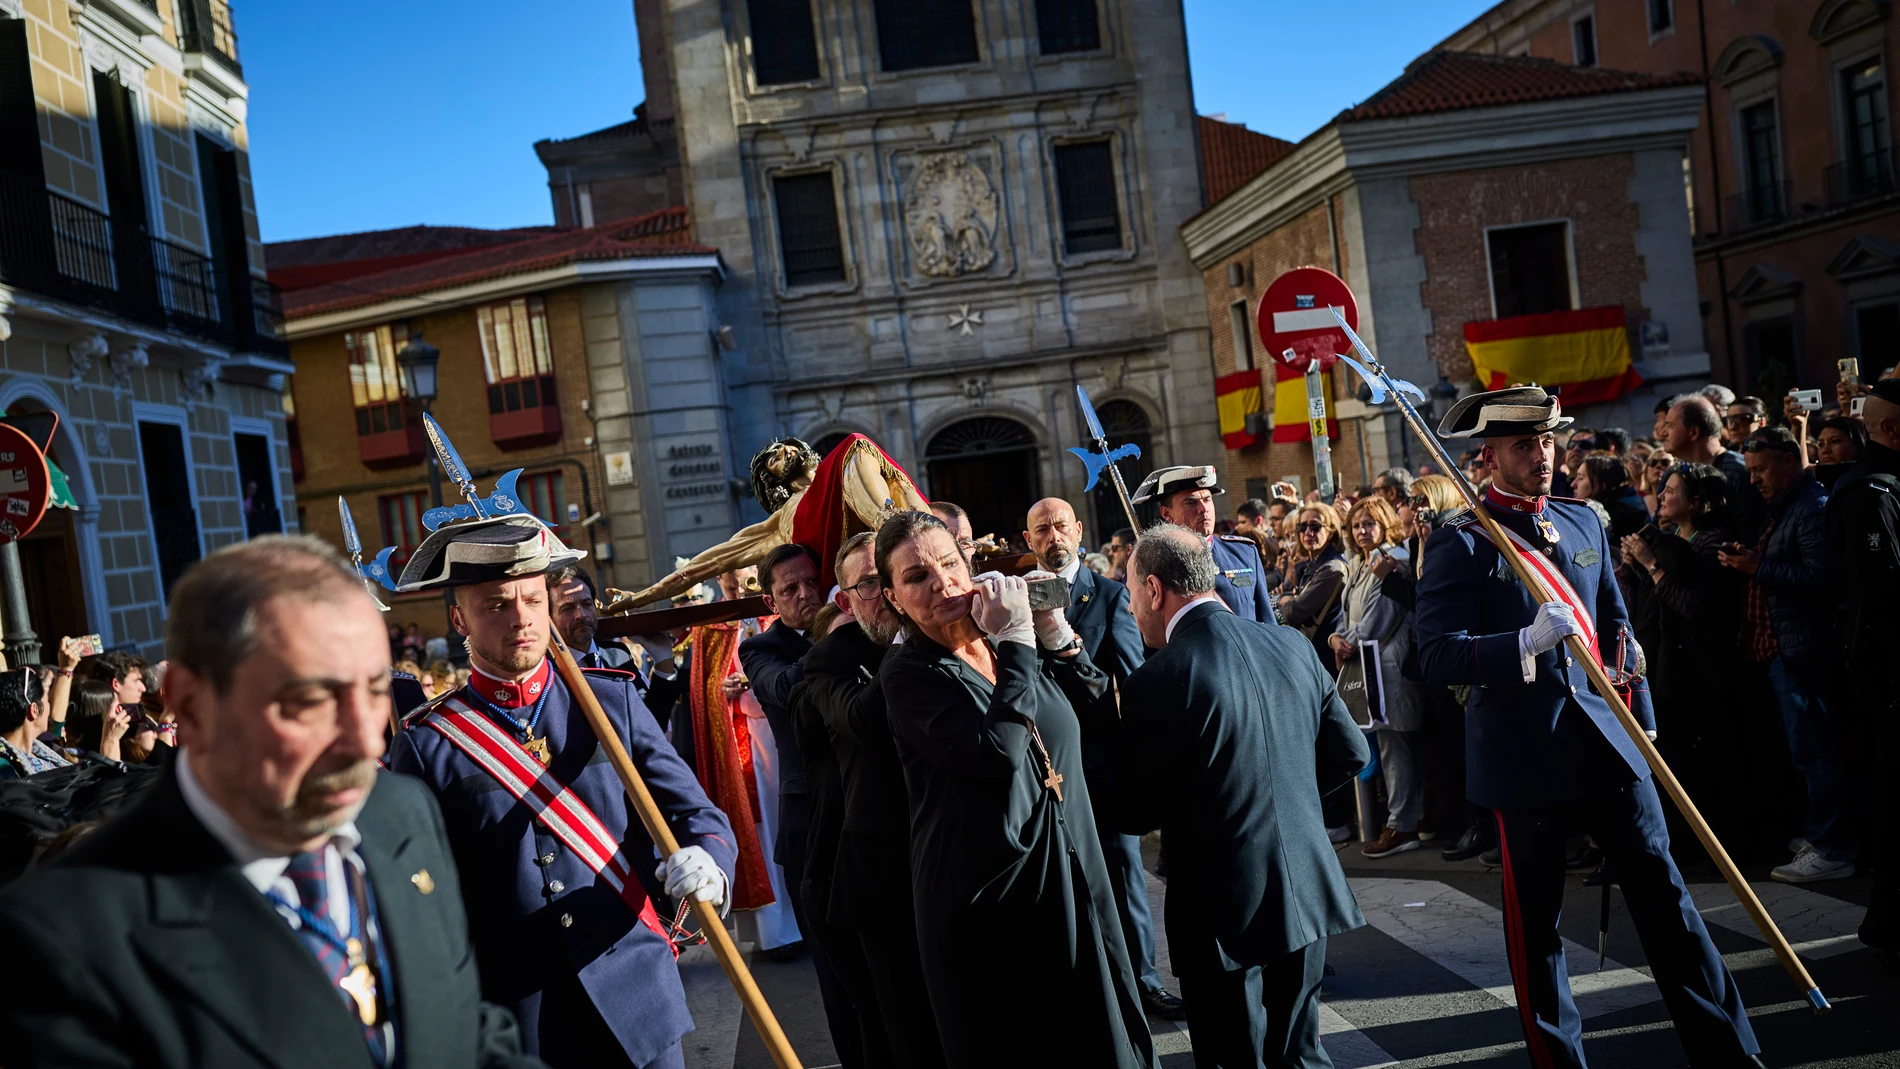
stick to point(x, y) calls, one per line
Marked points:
point(338, 947)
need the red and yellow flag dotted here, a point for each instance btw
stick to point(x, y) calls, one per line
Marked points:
point(1587, 352)
point(1237, 396)
point(1290, 420)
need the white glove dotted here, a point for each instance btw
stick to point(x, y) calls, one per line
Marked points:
point(692, 871)
point(1052, 625)
point(1001, 608)
point(1553, 623)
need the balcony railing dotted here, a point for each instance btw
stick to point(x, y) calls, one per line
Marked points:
point(1869, 176)
point(56, 246)
point(205, 26)
point(1756, 207)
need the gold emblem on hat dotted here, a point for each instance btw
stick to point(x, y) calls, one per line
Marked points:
point(423, 881)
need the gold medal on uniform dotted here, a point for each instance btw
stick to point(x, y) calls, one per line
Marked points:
point(1547, 529)
point(537, 749)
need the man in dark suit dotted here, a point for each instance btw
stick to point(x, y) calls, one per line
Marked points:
point(1098, 611)
point(1543, 748)
point(774, 663)
point(274, 900)
point(1231, 733)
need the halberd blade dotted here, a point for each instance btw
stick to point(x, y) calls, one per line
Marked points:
point(452, 467)
point(500, 503)
point(351, 542)
point(1088, 414)
point(1096, 463)
point(1373, 382)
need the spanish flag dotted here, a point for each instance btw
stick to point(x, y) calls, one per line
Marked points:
point(1290, 422)
point(1237, 396)
point(1587, 352)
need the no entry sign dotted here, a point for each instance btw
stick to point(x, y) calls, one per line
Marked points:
point(24, 484)
point(1295, 314)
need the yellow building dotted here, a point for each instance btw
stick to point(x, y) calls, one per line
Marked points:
point(133, 304)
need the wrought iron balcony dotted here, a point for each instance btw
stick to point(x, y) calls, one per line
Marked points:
point(205, 26)
point(1868, 176)
point(53, 245)
point(1756, 207)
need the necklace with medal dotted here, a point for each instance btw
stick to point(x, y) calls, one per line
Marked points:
point(359, 982)
point(537, 747)
point(1546, 528)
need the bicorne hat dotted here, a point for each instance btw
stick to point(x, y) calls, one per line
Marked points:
point(513, 546)
point(1164, 482)
point(1504, 414)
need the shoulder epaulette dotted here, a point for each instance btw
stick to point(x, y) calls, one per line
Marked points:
point(1242, 539)
point(415, 716)
point(610, 672)
point(397, 673)
point(1461, 519)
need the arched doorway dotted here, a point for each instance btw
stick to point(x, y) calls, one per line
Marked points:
point(50, 564)
point(1123, 422)
point(826, 443)
point(987, 464)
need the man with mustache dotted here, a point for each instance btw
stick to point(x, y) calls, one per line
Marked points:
point(1544, 750)
point(273, 900)
point(562, 879)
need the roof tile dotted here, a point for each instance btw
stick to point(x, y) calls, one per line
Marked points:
point(1454, 81)
point(1231, 154)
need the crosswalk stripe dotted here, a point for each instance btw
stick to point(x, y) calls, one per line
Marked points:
point(1817, 925)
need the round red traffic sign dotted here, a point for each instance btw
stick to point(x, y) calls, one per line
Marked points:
point(1295, 313)
point(25, 487)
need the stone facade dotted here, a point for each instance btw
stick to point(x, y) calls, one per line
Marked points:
point(958, 299)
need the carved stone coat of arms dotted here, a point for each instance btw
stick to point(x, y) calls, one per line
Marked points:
point(950, 217)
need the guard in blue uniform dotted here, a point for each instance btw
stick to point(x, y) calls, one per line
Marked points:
point(1185, 496)
point(1543, 749)
point(572, 940)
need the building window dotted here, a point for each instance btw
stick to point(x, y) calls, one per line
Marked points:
point(784, 45)
point(808, 229)
point(1864, 105)
point(912, 34)
point(1067, 26)
point(1661, 16)
point(1530, 269)
point(1243, 335)
point(1876, 336)
point(375, 384)
point(1761, 164)
point(1085, 184)
point(1583, 41)
point(545, 495)
point(402, 521)
point(516, 356)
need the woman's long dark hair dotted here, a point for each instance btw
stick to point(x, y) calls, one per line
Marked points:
point(897, 529)
point(92, 700)
point(1607, 475)
point(1708, 486)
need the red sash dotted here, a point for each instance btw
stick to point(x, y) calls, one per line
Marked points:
point(556, 807)
point(1554, 581)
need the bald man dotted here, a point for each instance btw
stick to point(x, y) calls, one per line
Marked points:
point(1098, 612)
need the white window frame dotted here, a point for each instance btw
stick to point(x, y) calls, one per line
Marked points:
point(262, 428)
point(1667, 31)
point(1596, 51)
point(1242, 327)
point(1570, 258)
point(149, 412)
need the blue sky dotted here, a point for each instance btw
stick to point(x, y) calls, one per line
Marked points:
point(371, 115)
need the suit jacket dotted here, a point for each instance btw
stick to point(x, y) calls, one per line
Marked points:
point(1242, 579)
point(145, 945)
point(1553, 739)
point(774, 663)
point(557, 945)
point(1098, 611)
point(1230, 735)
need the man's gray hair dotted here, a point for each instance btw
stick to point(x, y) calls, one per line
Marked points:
point(211, 624)
point(1176, 556)
point(1719, 395)
point(1398, 477)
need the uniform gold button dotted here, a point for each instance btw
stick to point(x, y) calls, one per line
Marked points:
point(555, 887)
point(567, 920)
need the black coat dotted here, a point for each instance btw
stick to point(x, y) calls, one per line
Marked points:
point(1012, 896)
point(1098, 611)
point(146, 946)
point(1796, 574)
point(1230, 735)
point(774, 663)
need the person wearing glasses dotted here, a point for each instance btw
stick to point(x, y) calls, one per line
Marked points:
point(1185, 496)
point(1744, 417)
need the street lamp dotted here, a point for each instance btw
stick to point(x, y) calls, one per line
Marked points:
point(418, 359)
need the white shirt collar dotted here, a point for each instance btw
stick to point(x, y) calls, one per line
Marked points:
point(262, 865)
point(1168, 635)
point(1072, 569)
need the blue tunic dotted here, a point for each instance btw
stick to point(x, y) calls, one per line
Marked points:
point(1241, 582)
point(557, 945)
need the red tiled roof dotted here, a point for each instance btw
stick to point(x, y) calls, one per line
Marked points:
point(661, 233)
point(1231, 154)
point(385, 244)
point(1454, 81)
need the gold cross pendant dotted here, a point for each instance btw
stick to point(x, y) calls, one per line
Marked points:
point(537, 749)
point(360, 983)
point(1052, 779)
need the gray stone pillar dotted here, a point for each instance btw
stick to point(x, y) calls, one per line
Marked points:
point(22, 646)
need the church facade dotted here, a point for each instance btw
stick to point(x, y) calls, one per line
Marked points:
point(939, 217)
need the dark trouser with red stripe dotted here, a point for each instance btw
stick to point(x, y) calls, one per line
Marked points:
point(1696, 986)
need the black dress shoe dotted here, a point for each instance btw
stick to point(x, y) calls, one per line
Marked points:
point(1164, 1004)
point(1476, 840)
point(782, 955)
point(1493, 857)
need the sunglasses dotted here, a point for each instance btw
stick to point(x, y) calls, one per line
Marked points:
point(1742, 420)
point(1419, 501)
point(1659, 463)
point(1311, 525)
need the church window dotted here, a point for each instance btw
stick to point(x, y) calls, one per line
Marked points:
point(784, 45)
point(1530, 269)
point(808, 229)
point(912, 34)
point(1085, 186)
point(1067, 26)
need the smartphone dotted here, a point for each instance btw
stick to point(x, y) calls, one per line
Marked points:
point(1857, 406)
point(1051, 593)
point(1809, 400)
point(91, 646)
point(1850, 370)
point(1650, 534)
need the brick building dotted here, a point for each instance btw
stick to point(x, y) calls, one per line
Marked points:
point(1796, 211)
point(588, 357)
point(133, 305)
point(1470, 189)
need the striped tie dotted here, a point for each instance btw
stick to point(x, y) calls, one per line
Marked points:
point(323, 935)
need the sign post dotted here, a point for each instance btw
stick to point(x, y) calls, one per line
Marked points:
point(1322, 445)
point(1296, 321)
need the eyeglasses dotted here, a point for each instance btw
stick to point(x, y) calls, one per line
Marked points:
point(1311, 525)
point(967, 545)
point(867, 589)
point(1419, 501)
point(1659, 463)
point(1743, 419)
